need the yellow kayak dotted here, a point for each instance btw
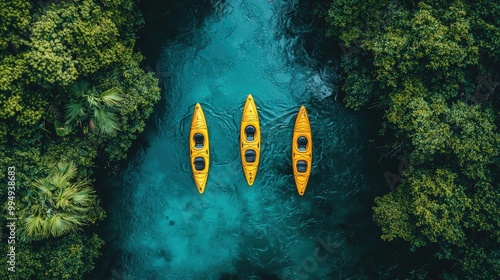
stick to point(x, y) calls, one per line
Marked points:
point(302, 151)
point(250, 140)
point(199, 148)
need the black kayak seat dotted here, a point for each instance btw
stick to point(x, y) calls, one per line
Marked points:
point(250, 156)
point(302, 143)
point(198, 140)
point(250, 132)
point(199, 163)
point(301, 166)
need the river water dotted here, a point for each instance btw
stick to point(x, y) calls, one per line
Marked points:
point(160, 227)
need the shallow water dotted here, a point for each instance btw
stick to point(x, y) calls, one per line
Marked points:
point(160, 227)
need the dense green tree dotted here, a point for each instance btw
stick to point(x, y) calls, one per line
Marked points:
point(358, 82)
point(475, 141)
point(68, 40)
point(16, 18)
point(140, 94)
point(352, 21)
point(417, 115)
point(432, 207)
point(420, 43)
point(484, 17)
point(47, 50)
point(67, 257)
point(436, 205)
point(432, 66)
point(70, 257)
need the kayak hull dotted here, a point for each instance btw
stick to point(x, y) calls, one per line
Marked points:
point(250, 140)
point(302, 154)
point(199, 153)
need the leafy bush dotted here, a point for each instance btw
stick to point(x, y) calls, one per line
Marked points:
point(433, 67)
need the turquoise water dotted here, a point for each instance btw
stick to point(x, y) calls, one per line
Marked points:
point(160, 227)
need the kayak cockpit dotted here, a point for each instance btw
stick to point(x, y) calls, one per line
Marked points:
point(301, 166)
point(199, 163)
point(302, 143)
point(250, 132)
point(250, 155)
point(199, 140)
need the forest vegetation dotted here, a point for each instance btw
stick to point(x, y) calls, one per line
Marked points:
point(433, 68)
point(73, 97)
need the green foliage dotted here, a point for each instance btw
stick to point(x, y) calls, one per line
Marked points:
point(72, 256)
point(432, 66)
point(58, 206)
point(15, 21)
point(393, 215)
point(68, 257)
point(142, 92)
point(419, 119)
point(420, 43)
point(67, 68)
point(21, 113)
point(431, 206)
point(399, 43)
point(130, 18)
point(439, 205)
point(29, 156)
point(476, 141)
point(485, 21)
point(61, 130)
point(77, 150)
point(12, 68)
point(359, 86)
point(72, 39)
point(351, 21)
point(87, 102)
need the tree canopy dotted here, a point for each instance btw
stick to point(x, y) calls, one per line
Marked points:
point(70, 80)
point(433, 67)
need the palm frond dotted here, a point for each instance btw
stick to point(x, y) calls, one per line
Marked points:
point(65, 197)
point(84, 198)
point(36, 209)
point(78, 210)
point(67, 169)
point(84, 195)
point(63, 223)
point(45, 186)
point(106, 121)
point(79, 88)
point(58, 180)
point(93, 101)
point(75, 220)
point(75, 112)
point(112, 97)
point(57, 225)
point(33, 226)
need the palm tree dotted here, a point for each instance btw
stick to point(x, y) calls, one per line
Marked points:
point(98, 107)
point(59, 205)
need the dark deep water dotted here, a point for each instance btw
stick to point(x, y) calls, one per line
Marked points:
point(159, 227)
